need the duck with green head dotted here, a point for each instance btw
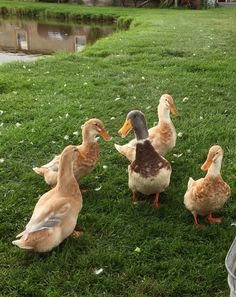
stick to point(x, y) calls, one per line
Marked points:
point(149, 173)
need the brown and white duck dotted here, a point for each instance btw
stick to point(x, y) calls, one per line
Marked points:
point(209, 194)
point(149, 173)
point(55, 214)
point(87, 155)
point(162, 136)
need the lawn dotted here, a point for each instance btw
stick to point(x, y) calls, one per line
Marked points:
point(189, 54)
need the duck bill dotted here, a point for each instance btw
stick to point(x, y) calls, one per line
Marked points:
point(127, 127)
point(206, 165)
point(173, 109)
point(105, 135)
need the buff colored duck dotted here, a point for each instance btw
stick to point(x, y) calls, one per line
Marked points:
point(55, 214)
point(88, 154)
point(162, 136)
point(207, 195)
point(149, 173)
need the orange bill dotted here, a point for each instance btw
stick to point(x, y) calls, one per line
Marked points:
point(206, 165)
point(105, 135)
point(127, 127)
point(173, 109)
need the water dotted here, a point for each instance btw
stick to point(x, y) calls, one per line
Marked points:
point(24, 39)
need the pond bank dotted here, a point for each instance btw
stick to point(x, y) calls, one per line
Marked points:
point(64, 12)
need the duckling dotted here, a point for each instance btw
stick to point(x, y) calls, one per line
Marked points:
point(149, 173)
point(88, 154)
point(207, 195)
point(55, 214)
point(162, 136)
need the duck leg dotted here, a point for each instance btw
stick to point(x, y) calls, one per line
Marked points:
point(156, 201)
point(195, 218)
point(213, 220)
point(134, 198)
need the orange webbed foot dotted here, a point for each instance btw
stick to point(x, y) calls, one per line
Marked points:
point(212, 220)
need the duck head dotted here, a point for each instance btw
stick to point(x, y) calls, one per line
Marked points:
point(166, 102)
point(214, 160)
point(93, 128)
point(69, 153)
point(135, 120)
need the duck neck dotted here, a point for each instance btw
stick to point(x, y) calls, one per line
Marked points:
point(141, 132)
point(89, 136)
point(65, 174)
point(214, 169)
point(163, 113)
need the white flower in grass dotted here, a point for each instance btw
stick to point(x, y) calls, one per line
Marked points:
point(117, 98)
point(24, 66)
point(201, 118)
point(14, 92)
point(1, 112)
point(50, 120)
point(112, 118)
point(53, 141)
point(98, 188)
point(66, 137)
point(65, 85)
point(76, 133)
point(137, 249)
point(134, 97)
point(194, 54)
point(185, 99)
point(18, 124)
point(46, 72)
point(143, 78)
point(98, 271)
point(1, 125)
point(1, 160)
point(177, 155)
point(67, 115)
point(85, 83)
point(104, 167)
point(189, 151)
point(180, 134)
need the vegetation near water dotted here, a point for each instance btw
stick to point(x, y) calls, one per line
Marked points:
point(143, 251)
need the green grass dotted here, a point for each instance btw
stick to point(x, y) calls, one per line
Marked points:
point(184, 53)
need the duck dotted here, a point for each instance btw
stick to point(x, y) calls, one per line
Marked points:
point(162, 136)
point(55, 214)
point(149, 173)
point(209, 194)
point(87, 154)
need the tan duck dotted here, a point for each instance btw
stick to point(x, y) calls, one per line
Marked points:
point(55, 214)
point(88, 154)
point(162, 136)
point(207, 195)
point(149, 173)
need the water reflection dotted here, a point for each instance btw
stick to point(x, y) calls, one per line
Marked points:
point(32, 37)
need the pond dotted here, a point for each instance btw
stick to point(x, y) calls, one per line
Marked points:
point(25, 39)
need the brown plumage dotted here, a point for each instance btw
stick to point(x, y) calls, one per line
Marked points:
point(55, 214)
point(208, 194)
point(88, 154)
point(147, 162)
point(149, 173)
